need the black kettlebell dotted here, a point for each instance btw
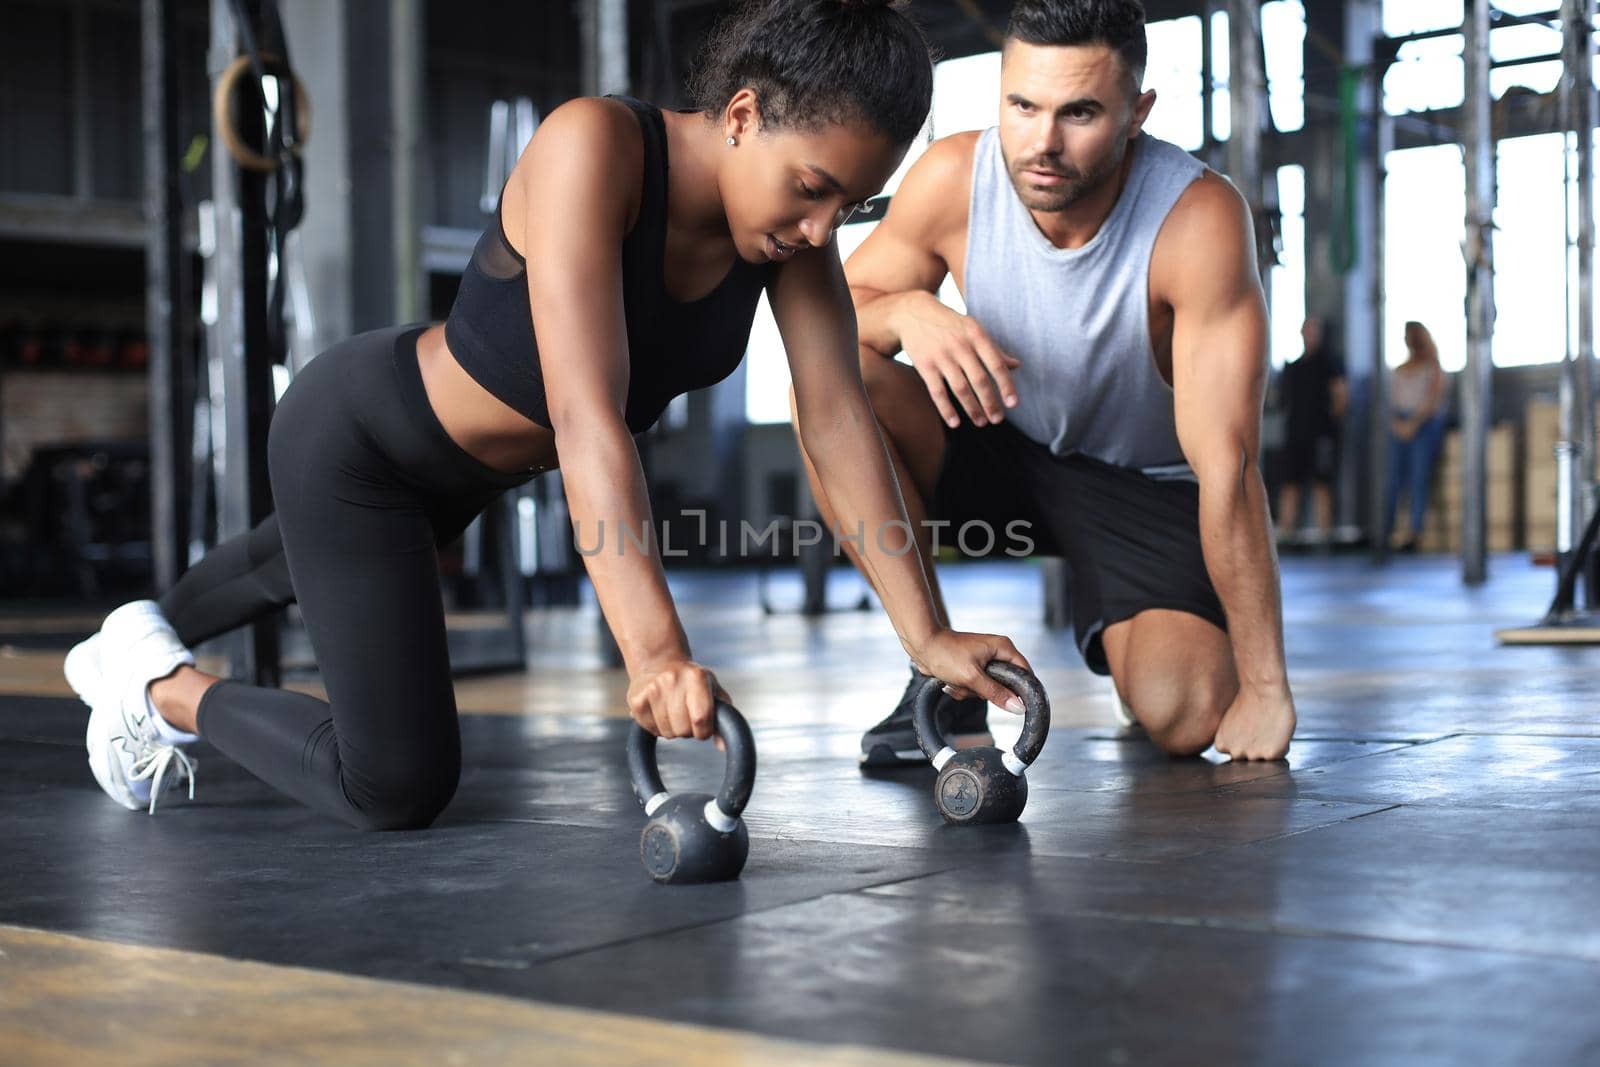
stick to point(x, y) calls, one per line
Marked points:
point(984, 784)
point(695, 837)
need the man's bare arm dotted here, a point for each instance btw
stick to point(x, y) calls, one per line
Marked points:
point(1207, 272)
point(894, 277)
point(904, 256)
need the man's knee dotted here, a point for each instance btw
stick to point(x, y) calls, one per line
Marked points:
point(1182, 717)
point(1187, 732)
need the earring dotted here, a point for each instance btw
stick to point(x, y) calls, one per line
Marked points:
point(731, 142)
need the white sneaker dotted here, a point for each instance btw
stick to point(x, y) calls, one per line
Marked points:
point(82, 669)
point(1123, 713)
point(131, 748)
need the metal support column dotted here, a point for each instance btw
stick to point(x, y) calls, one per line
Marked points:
point(240, 337)
point(1576, 450)
point(1208, 85)
point(1382, 127)
point(406, 33)
point(1247, 84)
point(169, 314)
point(1366, 134)
point(325, 247)
point(605, 47)
point(604, 35)
point(83, 152)
point(1479, 251)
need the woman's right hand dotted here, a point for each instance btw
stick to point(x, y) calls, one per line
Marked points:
point(676, 699)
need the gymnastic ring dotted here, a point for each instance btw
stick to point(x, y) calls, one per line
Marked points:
point(221, 114)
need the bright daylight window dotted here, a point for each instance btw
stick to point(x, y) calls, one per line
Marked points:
point(1429, 74)
point(1283, 36)
point(1288, 278)
point(1424, 276)
point(1174, 73)
point(1529, 248)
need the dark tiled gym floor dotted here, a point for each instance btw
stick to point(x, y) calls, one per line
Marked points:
point(1416, 885)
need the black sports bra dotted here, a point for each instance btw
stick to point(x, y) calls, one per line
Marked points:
point(673, 347)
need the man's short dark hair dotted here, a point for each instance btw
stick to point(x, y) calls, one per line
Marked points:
point(1117, 24)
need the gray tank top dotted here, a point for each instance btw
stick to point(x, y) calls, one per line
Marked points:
point(1079, 319)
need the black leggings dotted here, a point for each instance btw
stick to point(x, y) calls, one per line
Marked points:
point(367, 485)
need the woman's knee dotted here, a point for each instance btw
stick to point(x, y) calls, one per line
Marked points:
point(403, 801)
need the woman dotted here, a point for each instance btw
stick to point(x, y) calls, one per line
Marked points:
point(610, 283)
point(1416, 428)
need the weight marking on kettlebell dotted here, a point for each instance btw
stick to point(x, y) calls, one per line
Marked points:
point(660, 851)
point(960, 793)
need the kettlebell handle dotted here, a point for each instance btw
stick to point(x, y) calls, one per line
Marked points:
point(1035, 725)
point(737, 781)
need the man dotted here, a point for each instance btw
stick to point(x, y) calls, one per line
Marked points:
point(1314, 397)
point(1105, 385)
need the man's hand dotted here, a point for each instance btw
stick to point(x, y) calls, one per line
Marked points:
point(958, 659)
point(1257, 725)
point(1405, 429)
point(956, 357)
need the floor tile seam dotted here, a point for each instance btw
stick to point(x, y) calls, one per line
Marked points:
point(1207, 853)
point(1501, 733)
point(1221, 849)
point(1087, 859)
point(1475, 808)
point(1394, 747)
point(1452, 735)
point(875, 891)
point(45, 741)
point(1343, 739)
point(1391, 748)
point(720, 921)
point(1317, 933)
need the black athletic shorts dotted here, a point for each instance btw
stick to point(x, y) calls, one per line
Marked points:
point(1311, 459)
point(1132, 542)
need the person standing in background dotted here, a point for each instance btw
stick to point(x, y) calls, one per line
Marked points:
point(1314, 397)
point(1416, 429)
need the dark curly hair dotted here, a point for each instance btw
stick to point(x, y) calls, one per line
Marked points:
point(1117, 24)
point(814, 62)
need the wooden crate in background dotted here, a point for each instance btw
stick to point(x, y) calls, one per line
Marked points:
point(1441, 528)
point(1541, 432)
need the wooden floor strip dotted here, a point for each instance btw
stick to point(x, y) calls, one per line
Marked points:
point(70, 1001)
point(1549, 635)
